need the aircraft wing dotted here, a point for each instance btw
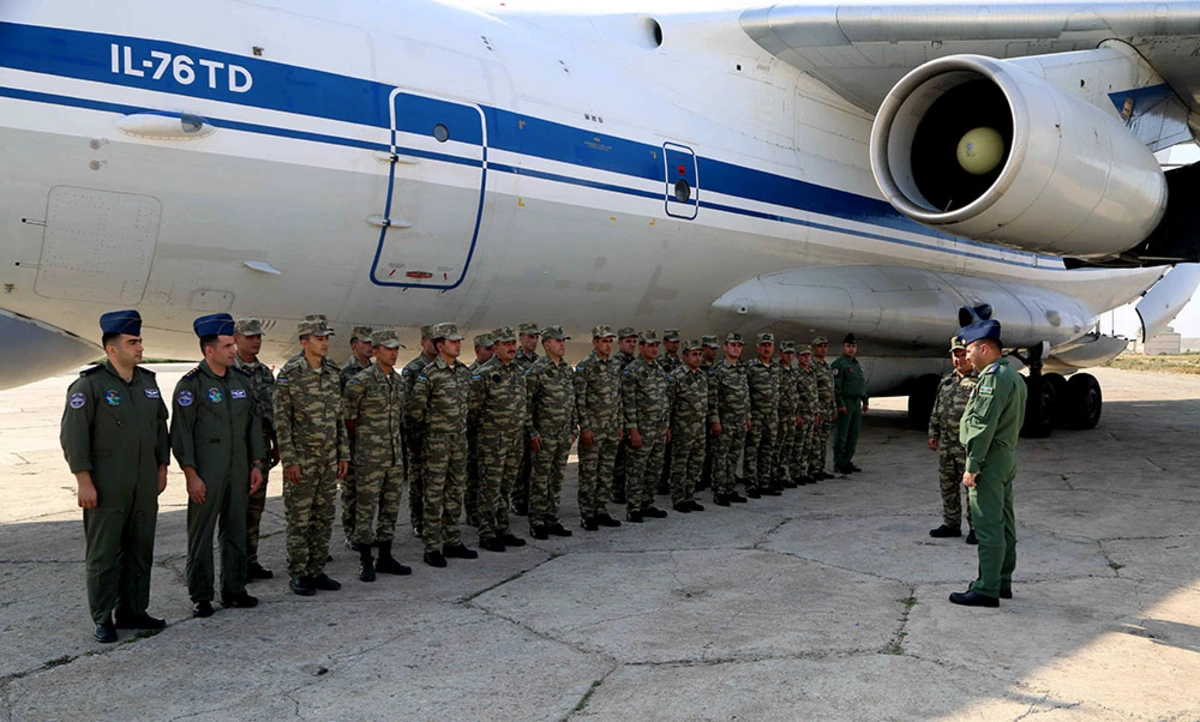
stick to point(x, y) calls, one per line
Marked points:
point(862, 49)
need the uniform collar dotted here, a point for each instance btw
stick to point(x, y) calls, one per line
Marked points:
point(207, 370)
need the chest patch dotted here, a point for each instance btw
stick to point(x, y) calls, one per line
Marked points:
point(185, 398)
point(152, 394)
point(112, 397)
point(78, 399)
point(215, 395)
point(237, 394)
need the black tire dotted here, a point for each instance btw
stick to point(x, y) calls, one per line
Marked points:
point(921, 400)
point(1061, 414)
point(1041, 408)
point(1084, 402)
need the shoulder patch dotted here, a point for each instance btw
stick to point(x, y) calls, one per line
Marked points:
point(78, 399)
point(281, 380)
point(834, 371)
point(185, 398)
point(986, 389)
point(354, 381)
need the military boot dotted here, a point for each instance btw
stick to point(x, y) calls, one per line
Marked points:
point(366, 563)
point(386, 563)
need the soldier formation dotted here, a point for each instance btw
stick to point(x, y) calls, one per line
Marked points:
point(493, 437)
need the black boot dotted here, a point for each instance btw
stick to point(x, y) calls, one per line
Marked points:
point(387, 564)
point(366, 563)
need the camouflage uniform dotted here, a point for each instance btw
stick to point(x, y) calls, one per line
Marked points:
point(412, 435)
point(730, 390)
point(349, 370)
point(828, 411)
point(520, 493)
point(374, 402)
point(499, 408)
point(619, 464)
point(709, 440)
point(646, 409)
point(668, 363)
point(471, 495)
point(807, 409)
point(690, 416)
point(552, 415)
point(952, 395)
point(264, 391)
point(598, 403)
point(308, 421)
point(764, 422)
point(789, 405)
point(441, 396)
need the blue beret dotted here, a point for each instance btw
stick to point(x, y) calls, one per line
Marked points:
point(214, 324)
point(980, 330)
point(129, 322)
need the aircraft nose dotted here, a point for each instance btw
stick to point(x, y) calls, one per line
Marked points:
point(33, 350)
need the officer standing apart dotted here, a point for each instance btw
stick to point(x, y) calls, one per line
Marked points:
point(361, 353)
point(952, 395)
point(441, 398)
point(374, 409)
point(114, 437)
point(988, 430)
point(598, 403)
point(826, 409)
point(627, 344)
point(412, 436)
point(646, 409)
point(499, 407)
point(690, 415)
point(850, 395)
point(763, 377)
point(551, 385)
point(247, 336)
point(730, 421)
point(314, 449)
point(217, 438)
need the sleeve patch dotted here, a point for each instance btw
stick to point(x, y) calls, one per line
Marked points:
point(78, 399)
point(185, 398)
point(986, 390)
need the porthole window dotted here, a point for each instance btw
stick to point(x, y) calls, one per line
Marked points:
point(683, 191)
point(441, 132)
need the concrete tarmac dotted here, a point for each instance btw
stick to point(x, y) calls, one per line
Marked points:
point(828, 603)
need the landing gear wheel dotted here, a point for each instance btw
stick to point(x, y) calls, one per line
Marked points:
point(1084, 402)
point(921, 400)
point(1059, 382)
point(1041, 407)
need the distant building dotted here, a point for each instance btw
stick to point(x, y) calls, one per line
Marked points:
point(1190, 345)
point(1167, 342)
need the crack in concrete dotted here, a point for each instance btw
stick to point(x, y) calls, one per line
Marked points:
point(896, 645)
point(1039, 707)
point(582, 704)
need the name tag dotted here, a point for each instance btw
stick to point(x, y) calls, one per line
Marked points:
point(152, 394)
point(238, 393)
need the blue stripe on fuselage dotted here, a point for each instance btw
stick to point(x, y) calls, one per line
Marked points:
point(315, 93)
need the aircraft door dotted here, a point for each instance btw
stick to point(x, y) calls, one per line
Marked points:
point(431, 217)
point(682, 181)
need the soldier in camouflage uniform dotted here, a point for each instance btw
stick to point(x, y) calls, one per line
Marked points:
point(374, 409)
point(763, 377)
point(826, 409)
point(360, 358)
point(499, 409)
point(626, 353)
point(690, 416)
point(551, 385)
point(668, 360)
point(483, 353)
point(412, 434)
point(439, 406)
point(646, 409)
point(952, 395)
point(730, 403)
point(711, 348)
point(806, 379)
point(789, 416)
point(247, 336)
point(526, 356)
point(314, 450)
point(598, 403)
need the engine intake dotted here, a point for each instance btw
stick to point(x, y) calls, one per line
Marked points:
point(984, 149)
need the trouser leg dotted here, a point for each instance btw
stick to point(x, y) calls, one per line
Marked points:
point(254, 513)
point(950, 478)
point(367, 487)
point(231, 537)
point(349, 501)
point(854, 406)
point(389, 504)
point(987, 504)
point(324, 509)
point(201, 526)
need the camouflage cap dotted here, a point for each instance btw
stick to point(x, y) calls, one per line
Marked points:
point(502, 334)
point(317, 317)
point(529, 329)
point(386, 338)
point(710, 341)
point(362, 333)
point(733, 338)
point(692, 344)
point(603, 332)
point(447, 331)
point(787, 347)
point(803, 348)
point(956, 343)
point(313, 326)
point(555, 332)
point(648, 336)
point(820, 340)
point(484, 340)
point(248, 327)
point(671, 334)
point(426, 333)
point(626, 332)
point(766, 337)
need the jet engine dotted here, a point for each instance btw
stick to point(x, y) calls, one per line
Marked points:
point(984, 149)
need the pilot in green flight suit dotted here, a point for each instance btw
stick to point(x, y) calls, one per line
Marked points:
point(850, 396)
point(988, 430)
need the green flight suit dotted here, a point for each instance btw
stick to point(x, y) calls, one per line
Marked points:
point(216, 429)
point(849, 391)
point(988, 431)
point(118, 432)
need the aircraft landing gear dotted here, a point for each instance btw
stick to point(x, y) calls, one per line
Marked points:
point(1057, 402)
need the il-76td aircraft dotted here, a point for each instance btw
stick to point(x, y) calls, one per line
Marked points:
point(867, 168)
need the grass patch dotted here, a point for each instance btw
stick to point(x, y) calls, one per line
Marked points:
point(896, 646)
point(910, 602)
point(588, 695)
point(1116, 565)
point(1188, 363)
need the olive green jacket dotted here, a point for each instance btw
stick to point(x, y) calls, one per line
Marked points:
point(215, 424)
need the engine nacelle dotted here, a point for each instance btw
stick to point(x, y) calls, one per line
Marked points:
point(982, 148)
